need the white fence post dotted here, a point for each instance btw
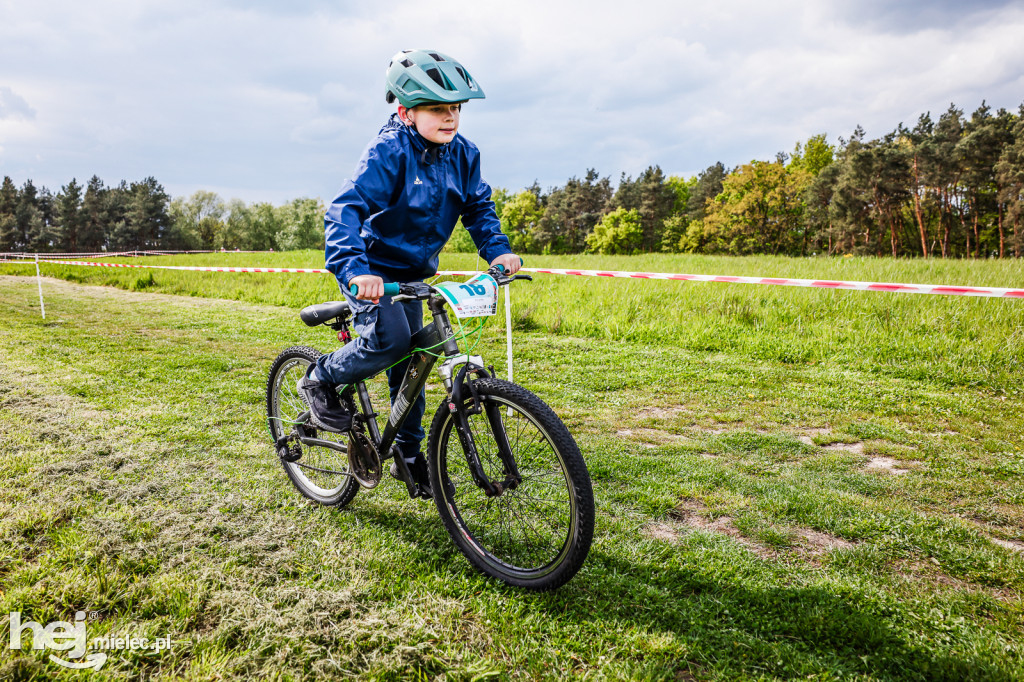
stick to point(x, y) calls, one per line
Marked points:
point(508, 328)
point(39, 281)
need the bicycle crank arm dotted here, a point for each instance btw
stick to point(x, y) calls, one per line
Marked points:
point(403, 471)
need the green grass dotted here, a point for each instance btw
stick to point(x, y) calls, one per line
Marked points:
point(729, 430)
point(938, 339)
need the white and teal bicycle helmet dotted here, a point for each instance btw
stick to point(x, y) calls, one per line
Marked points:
point(417, 77)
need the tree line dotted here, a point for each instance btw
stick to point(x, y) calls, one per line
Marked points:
point(951, 187)
point(142, 216)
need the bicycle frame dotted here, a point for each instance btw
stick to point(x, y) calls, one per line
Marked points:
point(439, 335)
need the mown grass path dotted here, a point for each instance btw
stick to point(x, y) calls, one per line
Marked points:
point(758, 516)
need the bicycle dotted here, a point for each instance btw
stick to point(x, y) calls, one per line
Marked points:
point(507, 477)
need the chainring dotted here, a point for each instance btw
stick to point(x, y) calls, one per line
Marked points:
point(364, 460)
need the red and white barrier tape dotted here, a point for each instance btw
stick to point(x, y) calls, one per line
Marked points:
point(945, 290)
point(189, 268)
point(815, 283)
point(110, 254)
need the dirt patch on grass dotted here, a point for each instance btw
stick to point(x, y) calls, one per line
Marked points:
point(661, 531)
point(806, 436)
point(691, 515)
point(100, 291)
point(815, 542)
point(1013, 545)
point(661, 412)
point(929, 572)
point(709, 431)
point(855, 448)
point(885, 464)
point(650, 437)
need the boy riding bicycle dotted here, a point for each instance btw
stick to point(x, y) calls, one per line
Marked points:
point(389, 222)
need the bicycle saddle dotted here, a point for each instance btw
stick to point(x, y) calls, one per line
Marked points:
point(321, 313)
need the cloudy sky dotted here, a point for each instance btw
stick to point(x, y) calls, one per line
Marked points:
point(268, 100)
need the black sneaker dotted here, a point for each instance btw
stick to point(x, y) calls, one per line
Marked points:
point(325, 409)
point(418, 469)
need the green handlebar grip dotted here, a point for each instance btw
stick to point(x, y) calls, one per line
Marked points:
point(520, 264)
point(390, 289)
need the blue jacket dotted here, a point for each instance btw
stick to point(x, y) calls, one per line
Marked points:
point(395, 214)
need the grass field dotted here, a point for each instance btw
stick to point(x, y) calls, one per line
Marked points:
point(789, 483)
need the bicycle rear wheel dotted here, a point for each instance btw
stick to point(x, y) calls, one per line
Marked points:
point(321, 473)
point(536, 535)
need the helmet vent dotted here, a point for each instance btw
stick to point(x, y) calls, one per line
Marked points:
point(406, 63)
point(465, 76)
point(437, 57)
point(435, 76)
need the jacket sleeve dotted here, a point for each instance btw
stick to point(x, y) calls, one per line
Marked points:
point(366, 193)
point(479, 217)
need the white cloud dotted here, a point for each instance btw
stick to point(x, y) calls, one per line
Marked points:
point(269, 100)
point(13, 106)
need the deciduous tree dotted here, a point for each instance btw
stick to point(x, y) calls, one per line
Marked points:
point(618, 232)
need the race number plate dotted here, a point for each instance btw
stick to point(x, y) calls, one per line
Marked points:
point(476, 297)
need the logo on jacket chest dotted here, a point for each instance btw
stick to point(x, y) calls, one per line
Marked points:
point(418, 181)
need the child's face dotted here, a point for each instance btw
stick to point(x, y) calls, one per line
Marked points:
point(437, 123)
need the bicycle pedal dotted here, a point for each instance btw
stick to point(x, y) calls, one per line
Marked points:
point(290, 454)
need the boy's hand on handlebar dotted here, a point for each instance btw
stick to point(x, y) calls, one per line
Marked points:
point(510, 261)
point(370, 287)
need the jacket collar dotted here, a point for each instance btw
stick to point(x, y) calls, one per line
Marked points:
point(427, 151)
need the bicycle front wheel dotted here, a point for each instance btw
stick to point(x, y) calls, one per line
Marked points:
point(537, 534)
point(321, 473)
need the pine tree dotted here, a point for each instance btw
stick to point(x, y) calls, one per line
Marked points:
point(27, 217)
point(571, 212)
point(43, 232)
point(709, 186)
point(69, 215)
point(146, 214)
point(652, 198)
point(121, 234)
point(8, 222)
point(93, 234)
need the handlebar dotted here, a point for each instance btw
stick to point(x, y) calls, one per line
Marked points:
point(396, 288)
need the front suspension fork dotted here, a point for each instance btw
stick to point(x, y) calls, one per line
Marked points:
point(460, 415)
